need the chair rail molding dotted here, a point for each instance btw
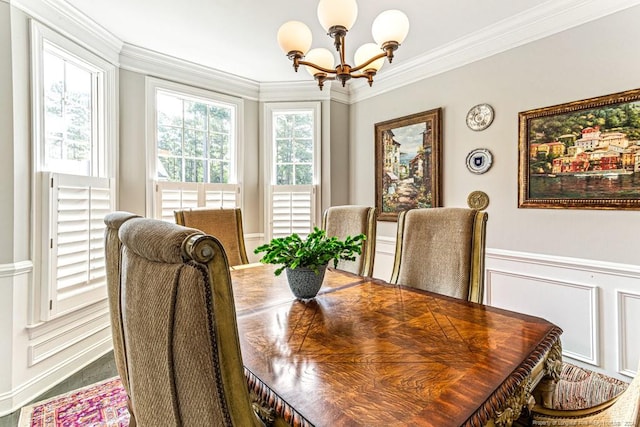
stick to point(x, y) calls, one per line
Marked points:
point(16, 268)
point(594, 266)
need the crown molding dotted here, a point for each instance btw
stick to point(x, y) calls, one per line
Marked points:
point(153, 63)
point(548, 18)
point(293, 91)
point(70, 22)
point(305, 90)
point(340, 93)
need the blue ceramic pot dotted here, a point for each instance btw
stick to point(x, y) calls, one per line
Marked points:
point(304, 282)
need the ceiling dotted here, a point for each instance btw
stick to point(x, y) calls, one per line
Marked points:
point(239, 36)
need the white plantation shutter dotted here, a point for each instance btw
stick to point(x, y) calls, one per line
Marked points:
point(172, 196)
point(292, 210)
point(223, 196)
point(292, 159)
point(73, 253)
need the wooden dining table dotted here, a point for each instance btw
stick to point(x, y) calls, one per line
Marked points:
point(364, 352)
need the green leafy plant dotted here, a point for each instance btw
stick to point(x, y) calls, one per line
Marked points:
point(313, 252)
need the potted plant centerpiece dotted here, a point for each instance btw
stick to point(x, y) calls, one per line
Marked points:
point(306, 260)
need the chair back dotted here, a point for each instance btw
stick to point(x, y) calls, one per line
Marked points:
point(223, 224)
point(442, 250)
point(180, 331)
point(625, 410)
point(343, 221)
point(113, 247)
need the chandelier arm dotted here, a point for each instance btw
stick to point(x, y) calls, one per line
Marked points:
point(361, 66)
point(366, 75)
point(317, 67)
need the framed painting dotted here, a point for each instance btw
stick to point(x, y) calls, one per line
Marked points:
point(583, 154)
point(408, 163)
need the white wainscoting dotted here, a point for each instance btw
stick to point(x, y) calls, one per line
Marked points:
point(87, 327)
point(38, 356)
point(251, 242)
point(572, 306)
point(597, 304)
point(385, 252)
point(628, 330)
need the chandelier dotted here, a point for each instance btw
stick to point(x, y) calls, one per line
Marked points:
point(389, 29)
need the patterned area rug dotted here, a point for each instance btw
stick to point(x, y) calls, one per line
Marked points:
point(99, 405)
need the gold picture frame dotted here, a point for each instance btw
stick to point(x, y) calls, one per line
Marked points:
point(408, 163)
point(582, 154)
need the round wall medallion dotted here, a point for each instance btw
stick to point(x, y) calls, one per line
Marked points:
point(478, 200)
point(480, 117)
point(479, 160)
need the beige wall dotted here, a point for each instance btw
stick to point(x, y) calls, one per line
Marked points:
point(132, 161)
point(6, 135)
point(339, 134)
point(252, 212)
point(594, 59)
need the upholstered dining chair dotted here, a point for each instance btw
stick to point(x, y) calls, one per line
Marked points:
point(441, 250)
point(180, 333)
point(622, 410)
point(351, 220)
point(224, 224)
point(113, 247)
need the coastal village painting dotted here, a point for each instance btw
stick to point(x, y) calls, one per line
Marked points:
point(584, 154)
point(407, 164)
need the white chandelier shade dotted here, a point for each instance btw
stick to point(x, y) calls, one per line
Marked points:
point(389, 30)
point(319, 56)
point(390, 25)
point(294, 36)
point(337, 12)
point(366, 51)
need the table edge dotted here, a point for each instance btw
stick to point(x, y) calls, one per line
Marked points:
point(502, 398)
point(272, 400)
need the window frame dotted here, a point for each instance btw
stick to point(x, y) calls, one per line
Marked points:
point(153, 85)
point(103, 162)
point(270, 109)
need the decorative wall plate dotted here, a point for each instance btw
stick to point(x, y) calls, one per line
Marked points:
point(479, 160)
point(480, 117)
point(478, 200)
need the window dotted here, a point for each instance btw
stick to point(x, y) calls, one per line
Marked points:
point(293, 139)
point(196, 146)
point(74, 141)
